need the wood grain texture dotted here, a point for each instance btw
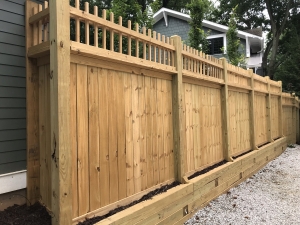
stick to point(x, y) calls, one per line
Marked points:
point(32, 116)
point(61, 165)
point(122, 127)
point(204, 143)
point(93, 138)
point(82, 139)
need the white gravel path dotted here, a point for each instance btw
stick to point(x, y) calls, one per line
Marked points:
point(272, 196)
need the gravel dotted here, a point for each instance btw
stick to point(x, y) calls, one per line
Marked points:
point(272, 196)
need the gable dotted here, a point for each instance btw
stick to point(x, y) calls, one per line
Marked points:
point(176, 26)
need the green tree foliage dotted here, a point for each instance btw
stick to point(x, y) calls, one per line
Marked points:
point(235, 56)
point(197, 36)
point(250, 14)
point(280, 13)
point(288, 67)
point(177, 5)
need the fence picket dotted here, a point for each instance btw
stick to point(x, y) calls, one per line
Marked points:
point(104, 30)
point(96, 28)
point(87, 24)
point(112, 34)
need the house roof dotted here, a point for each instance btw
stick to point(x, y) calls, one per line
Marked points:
point(164, 13)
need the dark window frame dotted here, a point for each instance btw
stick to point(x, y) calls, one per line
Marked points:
point(215, 45)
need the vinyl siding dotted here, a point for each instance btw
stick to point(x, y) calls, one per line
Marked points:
point(178, 27)
point(12, 86)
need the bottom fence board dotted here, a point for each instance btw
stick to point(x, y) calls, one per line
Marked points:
point(180, 203)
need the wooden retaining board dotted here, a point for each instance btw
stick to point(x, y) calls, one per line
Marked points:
point(178, 204)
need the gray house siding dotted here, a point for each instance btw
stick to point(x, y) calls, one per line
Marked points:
point(175, 27)
point(178, 27)
point(12, 86)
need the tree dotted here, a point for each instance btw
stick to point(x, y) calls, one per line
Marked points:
point(279, 12)
point(288, 70)
point(235, 56)
point(177, 5)
point(197, 36)
point(250, 14)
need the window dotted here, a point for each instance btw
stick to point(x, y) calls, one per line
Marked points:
point(215, 45)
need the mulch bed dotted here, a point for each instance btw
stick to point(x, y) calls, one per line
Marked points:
point(206, 170)
point(37, 214)
point(25, 215)
point(144, 198)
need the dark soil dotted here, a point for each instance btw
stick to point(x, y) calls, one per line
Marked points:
point(116, 210)
point(235, 157)
point(25, 215)
point(206, 170)
point(263, 144)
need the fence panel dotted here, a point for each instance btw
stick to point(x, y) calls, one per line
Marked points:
point(260, 114)
point(202, 113)
point(288, 123)
point(239, 122)
point(124, 135)
point(275, 120)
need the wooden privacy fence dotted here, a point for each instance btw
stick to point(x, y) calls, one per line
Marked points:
point(129, 110)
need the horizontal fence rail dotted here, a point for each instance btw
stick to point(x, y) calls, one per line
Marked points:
point(145, 110)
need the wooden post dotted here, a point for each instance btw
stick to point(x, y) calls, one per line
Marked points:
point(294, 118)
point(61, 162)
point(178, 129)
point(252, 118)
point(269, 119)
point(225, 115)
point(32, 115)
point(297, 121)
point(280, 114)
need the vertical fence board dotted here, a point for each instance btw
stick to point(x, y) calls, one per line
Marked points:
point(155, 154)
point(129, 137)
point(136, 130)
point(112, 137)
point(170, 131)
point(142, 132)
point(73, 135)
point(160, 140)
point(93, 138)
point(165, 129)
point(104, 146)
point(149, 130)
point(82, 135)
point(42, 136)
point(121, 135)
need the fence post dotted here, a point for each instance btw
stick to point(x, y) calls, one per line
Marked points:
point(252, 118)
point(294, 119)
point(280, 112)
point(225, 115)
point(269, 122)
point(297, 119)
point(32, 115)
point(61, 163)
point(178, 129)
